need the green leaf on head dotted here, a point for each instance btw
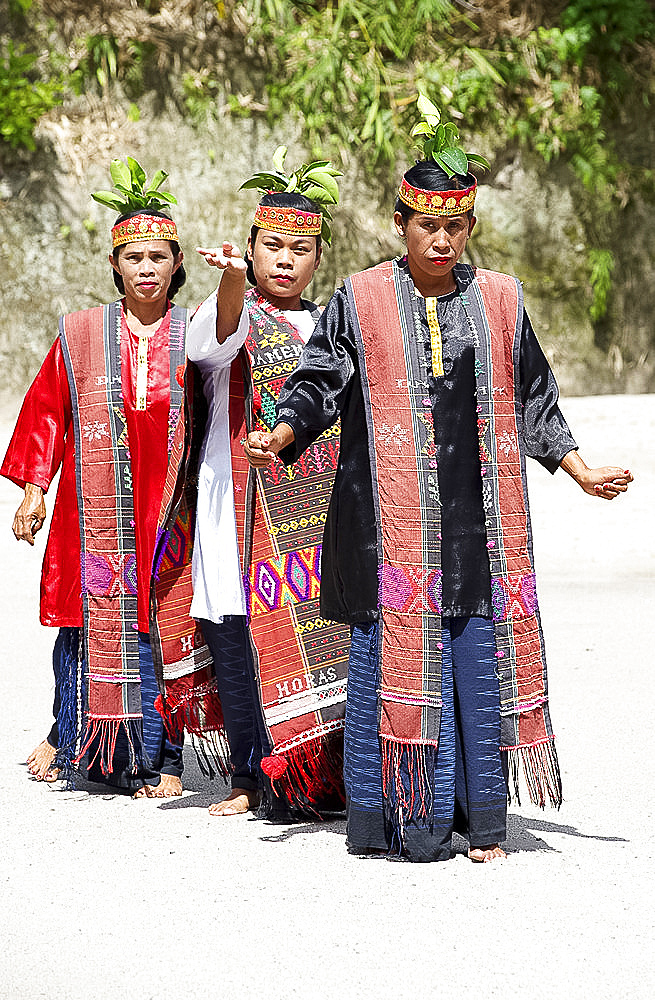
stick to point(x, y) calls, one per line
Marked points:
point(130, 192)
point(439, 141)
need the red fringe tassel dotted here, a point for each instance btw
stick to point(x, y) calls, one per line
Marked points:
point(310, 773)
point(105, 731)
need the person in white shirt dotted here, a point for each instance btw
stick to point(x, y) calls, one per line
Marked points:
point(273, 323)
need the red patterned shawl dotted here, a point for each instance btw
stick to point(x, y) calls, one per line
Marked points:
point(400, 430)
point(183, 663)
point(302, 660)
point(92, 353)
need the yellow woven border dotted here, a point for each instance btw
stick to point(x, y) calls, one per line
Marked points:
point(435, 335)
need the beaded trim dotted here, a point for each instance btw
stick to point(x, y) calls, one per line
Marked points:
point(143, 227)
point(435, 335)
point(291, 221)
point(438, 202)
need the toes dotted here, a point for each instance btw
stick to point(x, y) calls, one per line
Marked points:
point(221, 809)
point(482, 855)
point(145, 792)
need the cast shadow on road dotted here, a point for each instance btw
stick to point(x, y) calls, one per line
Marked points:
point(522, 830)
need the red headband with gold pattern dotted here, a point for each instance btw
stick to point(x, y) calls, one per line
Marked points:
point(291, 221)
point(438, 202)
point(143, 227)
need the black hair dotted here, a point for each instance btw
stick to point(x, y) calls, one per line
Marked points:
point(427, 175)
point(179, 276)
point(285, 199)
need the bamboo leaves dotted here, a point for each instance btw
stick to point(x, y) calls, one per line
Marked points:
point(132, 190)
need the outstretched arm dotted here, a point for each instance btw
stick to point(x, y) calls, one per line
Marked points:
point(230, 291)
point(31, 514)
point(606, 482)
point(262, 447)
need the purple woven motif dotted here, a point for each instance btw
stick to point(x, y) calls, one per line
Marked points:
point(130, 578)
point(267, 585)
point(529, 593)
point(97, 575)
point(514, 596)
point(110, 577)
point(395, 588)
point(298, 577)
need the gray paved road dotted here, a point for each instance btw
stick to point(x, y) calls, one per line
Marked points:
point(105, 898)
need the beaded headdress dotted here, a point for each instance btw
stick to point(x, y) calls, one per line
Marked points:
point(316, 181)
point(292, 221)
point(143, 227)
point(132, 193)
point(439, 142)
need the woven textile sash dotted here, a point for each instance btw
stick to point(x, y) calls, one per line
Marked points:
point(302, 659)
point(91, 343)
point(494, 303)
point(401, 434)
point(183, 664)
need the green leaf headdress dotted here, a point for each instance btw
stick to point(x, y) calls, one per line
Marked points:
point(316, 181)
point(439, 144)
point(131, 193)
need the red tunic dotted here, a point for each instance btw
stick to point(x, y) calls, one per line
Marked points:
point(43, 441)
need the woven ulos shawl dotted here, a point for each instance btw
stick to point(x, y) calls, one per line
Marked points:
point(400, 430)
point(301, 659)
point(107, 699)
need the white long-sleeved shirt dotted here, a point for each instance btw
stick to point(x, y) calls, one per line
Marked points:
point(216, 571)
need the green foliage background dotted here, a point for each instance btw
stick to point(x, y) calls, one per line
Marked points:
point(569, 83)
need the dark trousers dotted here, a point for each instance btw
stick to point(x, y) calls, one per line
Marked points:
point(160, 756)
point(469, 784)
point(229, 644)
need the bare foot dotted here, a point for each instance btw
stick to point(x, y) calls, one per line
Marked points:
point(39, 762)
point(168, 788)
point(239, 801)
point(492, 852)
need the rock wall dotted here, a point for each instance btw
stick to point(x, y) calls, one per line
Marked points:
point(54, 238)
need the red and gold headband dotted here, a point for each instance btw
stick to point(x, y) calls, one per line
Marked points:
point(291, 221)
point(143, 227)
point(438, 202)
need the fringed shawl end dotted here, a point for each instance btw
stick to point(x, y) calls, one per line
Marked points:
point(540, 770)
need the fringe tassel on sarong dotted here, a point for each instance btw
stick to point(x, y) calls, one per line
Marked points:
point(407, 784)
point(212, 753)
point(69, 675)
point(100, 740)
point(196, 708)
point(309, 777)
point(191, 706)
point(540, 770)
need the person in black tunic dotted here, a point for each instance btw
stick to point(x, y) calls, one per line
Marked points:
point(451, 339)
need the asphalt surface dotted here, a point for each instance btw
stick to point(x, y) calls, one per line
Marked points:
point(104, 897)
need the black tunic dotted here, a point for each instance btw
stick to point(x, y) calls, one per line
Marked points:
point(327, 384)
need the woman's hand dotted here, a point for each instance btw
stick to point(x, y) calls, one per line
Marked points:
point(230, 292)
point(30, 516)
point(262, 447)
point(606, 482)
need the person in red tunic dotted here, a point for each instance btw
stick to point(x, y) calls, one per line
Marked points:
point(148, 271)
